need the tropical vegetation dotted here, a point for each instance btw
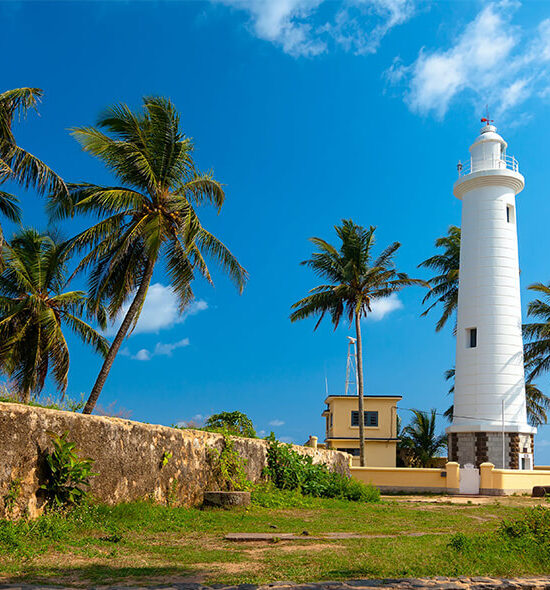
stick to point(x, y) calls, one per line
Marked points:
point(419, 439)
point(36, 309)
point(444, 285)
point(355, 280)
point(16, 164)
point(234, 423)
point(148, 217)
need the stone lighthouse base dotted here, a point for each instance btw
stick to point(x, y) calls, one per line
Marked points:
point(486, 447)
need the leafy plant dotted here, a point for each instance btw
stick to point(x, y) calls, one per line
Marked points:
point(14, 491)
point(166, 456)
point(460, 542)
point(534, 525)
point(236, 423)
point(228, 473)
point(289, 470)
point(67, 474)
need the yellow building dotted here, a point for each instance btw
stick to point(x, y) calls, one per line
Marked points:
point(342, 427)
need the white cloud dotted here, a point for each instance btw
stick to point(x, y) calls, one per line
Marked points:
point(491, 61)
point(382, 307)
point(161, 349)
point(160, 311)
point(276, 423)
point(293, 25)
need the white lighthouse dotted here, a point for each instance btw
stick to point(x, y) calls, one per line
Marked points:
point(490, 421)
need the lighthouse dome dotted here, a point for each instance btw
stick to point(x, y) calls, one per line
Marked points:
point(488, 133)
point(489, 150)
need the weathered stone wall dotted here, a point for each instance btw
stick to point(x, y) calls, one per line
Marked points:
point(128, 457)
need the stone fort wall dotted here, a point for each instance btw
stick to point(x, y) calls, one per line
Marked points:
point(128, 457)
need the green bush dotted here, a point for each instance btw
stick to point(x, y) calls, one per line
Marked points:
point(289, 470)
point(460, 542)
point(228, 467)
point(234, 423)
point(534, 525)
point(67, 474)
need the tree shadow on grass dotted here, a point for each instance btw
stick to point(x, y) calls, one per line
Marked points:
point(105, 574)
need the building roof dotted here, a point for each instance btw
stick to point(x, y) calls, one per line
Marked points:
point(398, 397)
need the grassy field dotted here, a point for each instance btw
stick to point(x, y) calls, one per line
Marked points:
point(144, 542)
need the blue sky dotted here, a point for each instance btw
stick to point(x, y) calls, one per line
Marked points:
point(309, 111)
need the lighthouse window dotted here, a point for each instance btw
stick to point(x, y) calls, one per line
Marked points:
point(471, 337)
point(509, 213)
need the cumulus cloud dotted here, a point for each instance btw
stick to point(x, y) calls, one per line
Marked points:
point(491, 61)
point(298, 29)
point(382, 307)
point(161, 349)
point(160, 311)
point(276, 423)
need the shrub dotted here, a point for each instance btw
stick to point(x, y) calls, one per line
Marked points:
point(67, 473)
point(460, 542)
point(235, 423)
point(533, 525)
point(228, 467)
point(289, 470)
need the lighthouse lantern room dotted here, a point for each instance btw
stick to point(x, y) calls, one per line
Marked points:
point(490, 419)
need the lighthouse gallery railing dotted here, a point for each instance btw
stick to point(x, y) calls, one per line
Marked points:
point(508, 162)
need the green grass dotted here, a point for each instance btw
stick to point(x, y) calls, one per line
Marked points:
point(151, 543)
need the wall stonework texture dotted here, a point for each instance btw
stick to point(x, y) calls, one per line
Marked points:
point(128, 457)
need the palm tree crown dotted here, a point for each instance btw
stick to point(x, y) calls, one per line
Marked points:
point(356, 278)
point(34, 309)
point(15, 163)
point(421, 439)
point(149, 216)
point(444, 285)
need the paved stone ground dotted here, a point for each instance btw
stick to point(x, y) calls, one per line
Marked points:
point(462, 583)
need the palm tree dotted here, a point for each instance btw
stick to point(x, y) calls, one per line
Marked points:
point(422, 440)
point(149, 216)
point(355, 281)
point(34, 310)
point(537, 334)
point(444, 285)
point(15, 163)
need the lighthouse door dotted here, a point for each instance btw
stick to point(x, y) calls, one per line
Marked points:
point(469, 480)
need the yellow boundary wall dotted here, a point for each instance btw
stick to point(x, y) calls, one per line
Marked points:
point(504, 482)
point(410, 480)
point(493, 482)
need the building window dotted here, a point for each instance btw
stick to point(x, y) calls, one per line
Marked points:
point(331, 419)
point(471, 337)
point(510, 213)
point(354, 452)
point(371, 418)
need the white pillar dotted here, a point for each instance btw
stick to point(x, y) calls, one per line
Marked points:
point(489, 345)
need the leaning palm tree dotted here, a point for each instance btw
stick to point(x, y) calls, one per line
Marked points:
point(444, 285)
point(422, 440)
point(35, 309)
point(16, 164)
point(356, 279)
point(148, 217)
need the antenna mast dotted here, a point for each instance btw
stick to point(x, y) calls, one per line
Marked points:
point(351, 367)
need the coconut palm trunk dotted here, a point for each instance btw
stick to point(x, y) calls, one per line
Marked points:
point(129, 318)
point(360, 389)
